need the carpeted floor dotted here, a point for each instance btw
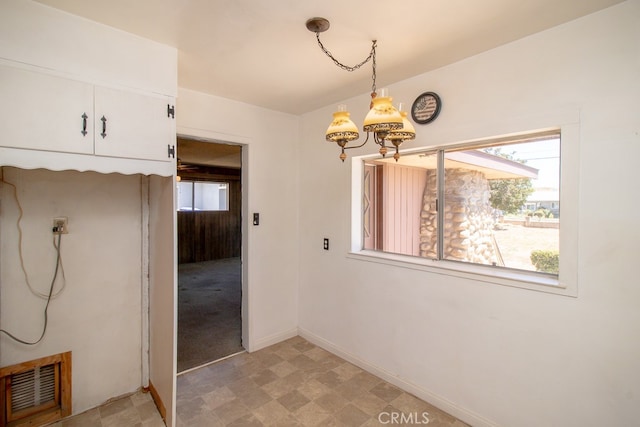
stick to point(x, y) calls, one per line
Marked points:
point(209, 322)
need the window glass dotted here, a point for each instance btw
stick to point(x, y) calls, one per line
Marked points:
point(210, 196)
point(495, 204)
point(203, 196)
point(185, 196)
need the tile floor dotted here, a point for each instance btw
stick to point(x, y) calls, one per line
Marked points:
point(137, 410)
point(293, 383)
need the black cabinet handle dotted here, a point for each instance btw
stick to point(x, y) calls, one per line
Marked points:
point(84, 124)
point(104, 127)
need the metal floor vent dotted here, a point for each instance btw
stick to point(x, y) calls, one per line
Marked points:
point(37, 392)
point(33, 388)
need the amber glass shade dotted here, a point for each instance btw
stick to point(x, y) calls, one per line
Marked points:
point(342, 127)
point(407, 132)
point(383, 116)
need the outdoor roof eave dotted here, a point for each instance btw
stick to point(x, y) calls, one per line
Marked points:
point(493, 167)
point(496, 167)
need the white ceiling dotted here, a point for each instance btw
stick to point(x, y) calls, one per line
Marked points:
point(260, 52)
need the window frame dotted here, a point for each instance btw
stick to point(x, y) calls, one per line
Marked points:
point(566, 283)
point(193, 183)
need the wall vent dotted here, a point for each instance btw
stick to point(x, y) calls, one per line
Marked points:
point(37, 392)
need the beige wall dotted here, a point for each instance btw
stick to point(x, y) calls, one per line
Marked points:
point(493, 354)
point(270, 166)
point(98, 315)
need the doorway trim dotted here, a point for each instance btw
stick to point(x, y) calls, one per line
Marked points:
point(245, 142)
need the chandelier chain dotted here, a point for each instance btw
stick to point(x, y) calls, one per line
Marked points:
point(373, 66)
point(388, 124)
point(372, 55)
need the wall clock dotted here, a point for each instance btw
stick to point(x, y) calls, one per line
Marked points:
point(426, 108)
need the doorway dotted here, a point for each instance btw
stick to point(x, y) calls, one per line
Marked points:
point(209, 212)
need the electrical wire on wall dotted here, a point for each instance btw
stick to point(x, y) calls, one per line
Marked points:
point(58, 269)
point(24, 270)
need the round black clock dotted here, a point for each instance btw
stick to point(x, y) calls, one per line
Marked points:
point(426, 108)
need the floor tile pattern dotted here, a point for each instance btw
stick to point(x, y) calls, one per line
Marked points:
point(137, 410)
point(295, 383)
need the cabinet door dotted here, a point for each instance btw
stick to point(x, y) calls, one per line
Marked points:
point(135, 126)
point(43, 112)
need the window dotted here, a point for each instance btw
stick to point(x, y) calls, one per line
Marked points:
point(203, 196)
point(489, 208)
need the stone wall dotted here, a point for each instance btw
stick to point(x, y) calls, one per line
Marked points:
point(468, 225)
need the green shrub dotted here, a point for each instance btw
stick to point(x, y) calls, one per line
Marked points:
point(542, 213)
point(546, 261)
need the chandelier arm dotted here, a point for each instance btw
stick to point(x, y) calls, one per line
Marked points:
point(372, 55)
point(358, 146)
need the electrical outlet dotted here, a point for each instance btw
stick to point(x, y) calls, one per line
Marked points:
point(326, 244)
point(61, 225)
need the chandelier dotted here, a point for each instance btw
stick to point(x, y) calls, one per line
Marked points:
point(384, 121)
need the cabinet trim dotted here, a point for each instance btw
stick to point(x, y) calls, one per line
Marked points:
point(55, 161)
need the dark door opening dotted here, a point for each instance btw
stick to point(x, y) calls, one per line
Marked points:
point(209, 206)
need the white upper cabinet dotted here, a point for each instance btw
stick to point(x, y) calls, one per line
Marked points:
point(132, 125)
point(56, 68)
point(54, 114)
point(43, 112)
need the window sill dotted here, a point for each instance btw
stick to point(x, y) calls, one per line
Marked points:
point(487, 274)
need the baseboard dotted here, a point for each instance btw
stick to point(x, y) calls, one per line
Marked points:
point(440, 402)
point(256, 345)
point(158, 401)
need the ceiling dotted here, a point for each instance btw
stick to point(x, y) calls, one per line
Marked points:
point(191, 152)
point(260, 52)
